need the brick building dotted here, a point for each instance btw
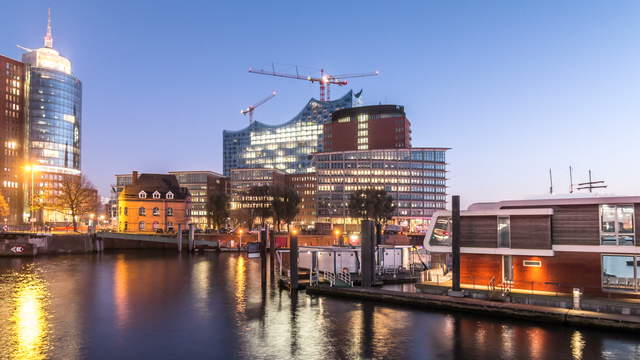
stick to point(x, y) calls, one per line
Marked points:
point(367, 128)
point(152, 203)
point(12, 136)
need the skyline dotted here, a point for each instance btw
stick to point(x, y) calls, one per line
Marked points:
point(472, 78)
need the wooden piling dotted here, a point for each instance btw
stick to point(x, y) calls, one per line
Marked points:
point(455, 243)
point(192, 236)
point(179, 237)
point(293, 261)
point(367, 247)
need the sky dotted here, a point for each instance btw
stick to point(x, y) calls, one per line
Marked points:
point(514, 88)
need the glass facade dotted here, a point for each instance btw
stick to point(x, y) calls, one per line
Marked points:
point(415, 178)
point(55, 117)
point(286, 147)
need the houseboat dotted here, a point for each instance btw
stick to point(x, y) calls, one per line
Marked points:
point(544, 246)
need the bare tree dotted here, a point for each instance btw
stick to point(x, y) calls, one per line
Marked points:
point(285, 205)
point(76, 197)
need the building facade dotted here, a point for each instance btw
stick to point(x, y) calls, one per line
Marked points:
point(546, 246)
point(368, 128)
point(54, 119)
point(153, 203)
point(242, 180)
point(305, 186)
point(12, 137)
point(285, 147)
point(201, 185)
point(415, 178)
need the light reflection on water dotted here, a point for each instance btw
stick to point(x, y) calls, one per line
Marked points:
point(165, 306)
point(25, 329)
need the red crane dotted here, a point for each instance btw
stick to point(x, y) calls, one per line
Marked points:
point(250, 109)
point(324, 80)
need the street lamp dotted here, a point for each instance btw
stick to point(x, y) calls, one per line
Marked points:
point(31, 169)
point(337, 232)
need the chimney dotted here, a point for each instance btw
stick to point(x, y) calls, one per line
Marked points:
point(134, 177)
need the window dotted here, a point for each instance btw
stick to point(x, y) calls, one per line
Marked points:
point(504, 232)
point(170, 195)
point(169, 225)
point(156, 211)
point(507, 268)
point(156, 195)
point(126, 225)
point(141, 225)
point(620, 272)
point(532, 263)
point(142, 195)
point(617, 225)
point(156, 225)
point(142, 211)
point(169, 211)
point(126, 210)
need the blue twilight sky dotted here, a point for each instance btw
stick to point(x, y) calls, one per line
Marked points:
point(514, 87)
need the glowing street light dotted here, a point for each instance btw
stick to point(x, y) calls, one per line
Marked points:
point(337, 232)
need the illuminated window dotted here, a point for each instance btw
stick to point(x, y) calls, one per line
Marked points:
point(141, 225)
point(504, 232)
point(617, 225)
point(156, 225)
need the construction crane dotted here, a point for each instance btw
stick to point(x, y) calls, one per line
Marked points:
point(325, 79)
point(251, 108)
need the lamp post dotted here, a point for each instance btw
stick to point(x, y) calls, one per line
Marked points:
point(337, 232)
point(240, 242)
point(31, 169)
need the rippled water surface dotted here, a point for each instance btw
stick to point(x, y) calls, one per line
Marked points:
point(161, 305)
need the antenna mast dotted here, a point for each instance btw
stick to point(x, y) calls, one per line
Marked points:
point(550, 183)
point(48, 38)
point(590, 185)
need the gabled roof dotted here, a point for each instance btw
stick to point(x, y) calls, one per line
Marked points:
point(162, 183)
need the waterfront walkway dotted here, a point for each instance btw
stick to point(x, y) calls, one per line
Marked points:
point(486, 307)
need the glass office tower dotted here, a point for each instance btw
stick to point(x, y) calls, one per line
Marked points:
point(54, 106)
point(285, 147)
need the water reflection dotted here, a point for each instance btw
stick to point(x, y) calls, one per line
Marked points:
point(25, 330)
point(167, 306)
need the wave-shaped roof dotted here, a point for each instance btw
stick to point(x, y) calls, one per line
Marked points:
point(344, 101)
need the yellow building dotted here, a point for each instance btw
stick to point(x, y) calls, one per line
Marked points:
point(153, 203)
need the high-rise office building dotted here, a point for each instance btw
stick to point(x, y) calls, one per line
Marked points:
point(12, 136)
point(285, 147)
point(54, 121)
point(368, 128)
point(201, 185)
point(415, 179)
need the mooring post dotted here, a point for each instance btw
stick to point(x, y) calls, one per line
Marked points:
point(293, 263)
point(179, 237)
point(192, 234)
point(263, 256)
point(455, 243)
point(367, 247)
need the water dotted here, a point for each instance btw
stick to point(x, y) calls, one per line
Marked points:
point(157, 305)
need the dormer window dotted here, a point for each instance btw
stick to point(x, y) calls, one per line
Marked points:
point(170, 195)
point(156, 195)
point(142, 195)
